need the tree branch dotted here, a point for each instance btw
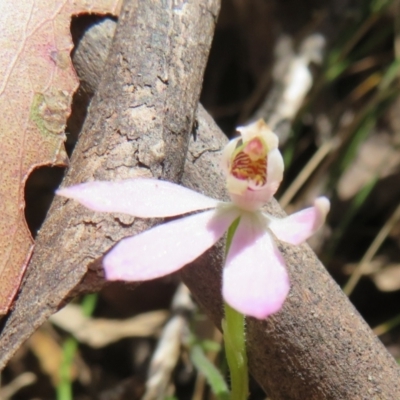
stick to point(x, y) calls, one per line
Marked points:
point(318, 346)
point(138, 124)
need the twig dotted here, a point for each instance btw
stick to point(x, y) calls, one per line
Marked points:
point(305, 173)
point(23, 380)
point(292, 81)
point(100, 332)
point(370, 253)
point(167, 353)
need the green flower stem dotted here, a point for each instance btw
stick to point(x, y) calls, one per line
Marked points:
point(233, 327)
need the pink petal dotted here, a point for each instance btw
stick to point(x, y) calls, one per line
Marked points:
point(167, 247)
point(145, 198)
point(255, 280)
point(298, 227)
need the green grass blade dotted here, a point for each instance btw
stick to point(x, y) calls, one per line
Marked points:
point(213, 376)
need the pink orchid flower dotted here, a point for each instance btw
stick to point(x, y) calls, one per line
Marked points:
point(255, 280)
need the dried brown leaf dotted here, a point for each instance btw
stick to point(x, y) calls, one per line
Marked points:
point(37, 81)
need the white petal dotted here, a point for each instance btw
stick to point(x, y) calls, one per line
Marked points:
point(226, 157)
point(275, 168)
point(145, 198)
point(259, 129)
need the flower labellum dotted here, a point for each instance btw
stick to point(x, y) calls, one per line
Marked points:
point(255, 281)
point(253, 166)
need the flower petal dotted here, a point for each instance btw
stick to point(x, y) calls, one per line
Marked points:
point(145, 198)
point(167, 247)
point(275, 169)
point(298, 227)
point(254, 199)
point(259, 129)
point(255, 280)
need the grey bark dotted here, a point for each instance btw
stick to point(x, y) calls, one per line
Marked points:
point(138, 124)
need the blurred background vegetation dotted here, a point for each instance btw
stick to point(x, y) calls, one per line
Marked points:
point(325, 75)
